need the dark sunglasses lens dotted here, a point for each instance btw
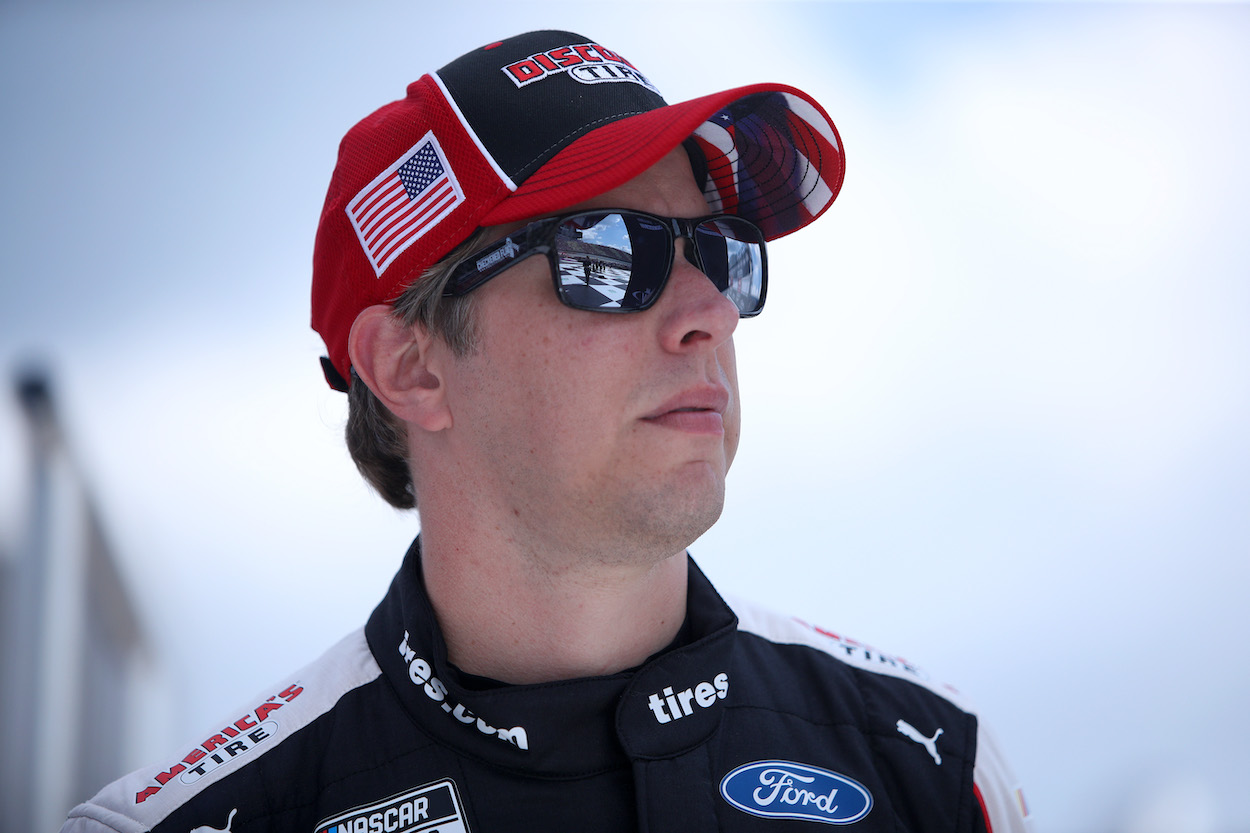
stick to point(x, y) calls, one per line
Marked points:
point(611, 262)
point(732, 252)
point(618, 262)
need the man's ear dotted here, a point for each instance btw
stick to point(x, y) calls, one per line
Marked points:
point(394, 361)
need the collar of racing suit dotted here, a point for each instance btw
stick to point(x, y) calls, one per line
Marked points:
point(667, 706)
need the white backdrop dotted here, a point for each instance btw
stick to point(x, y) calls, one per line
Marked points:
point(995, 413)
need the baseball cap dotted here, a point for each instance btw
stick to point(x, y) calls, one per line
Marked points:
point(526, 127)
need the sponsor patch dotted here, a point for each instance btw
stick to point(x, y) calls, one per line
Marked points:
point(929, 743)
point(245, 742)
point(586, 63)
point(789, 790)
point(229, 821)
point(421, 674)
point(668, 705)
point(226, 745)
point(865, 654)
point(433, 807)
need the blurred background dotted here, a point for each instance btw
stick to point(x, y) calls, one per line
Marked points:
point(995, 414)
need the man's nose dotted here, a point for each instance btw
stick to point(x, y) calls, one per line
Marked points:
point(696, 313)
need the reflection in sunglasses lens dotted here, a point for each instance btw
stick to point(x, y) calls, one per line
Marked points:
point(614, 261)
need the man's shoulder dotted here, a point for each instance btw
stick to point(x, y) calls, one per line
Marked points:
point(887, 697)
point(846, 657)
point(275, 720)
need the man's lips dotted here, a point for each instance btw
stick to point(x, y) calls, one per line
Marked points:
point(698, 410)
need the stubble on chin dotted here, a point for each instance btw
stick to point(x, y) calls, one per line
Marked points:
point(675, 517)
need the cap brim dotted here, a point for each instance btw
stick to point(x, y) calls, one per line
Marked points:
point(771, 154)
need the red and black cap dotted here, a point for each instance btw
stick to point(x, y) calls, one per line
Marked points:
point(527, 127)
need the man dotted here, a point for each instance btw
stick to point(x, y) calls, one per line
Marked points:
point(548, 657)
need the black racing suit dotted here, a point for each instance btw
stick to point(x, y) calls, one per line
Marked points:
point(751, 722)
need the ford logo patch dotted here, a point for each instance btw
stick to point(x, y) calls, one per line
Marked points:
point(786, 790)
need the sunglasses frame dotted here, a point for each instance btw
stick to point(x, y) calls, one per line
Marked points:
point(539, 238)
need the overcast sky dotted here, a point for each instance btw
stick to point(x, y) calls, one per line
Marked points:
point(995, 412)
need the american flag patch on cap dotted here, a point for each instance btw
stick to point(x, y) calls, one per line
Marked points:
point(404, 202)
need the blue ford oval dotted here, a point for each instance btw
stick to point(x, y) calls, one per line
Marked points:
point(788, 790)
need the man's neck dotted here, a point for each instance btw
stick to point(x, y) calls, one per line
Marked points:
point(522, 618)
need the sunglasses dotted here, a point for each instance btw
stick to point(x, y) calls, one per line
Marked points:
point(619, 261)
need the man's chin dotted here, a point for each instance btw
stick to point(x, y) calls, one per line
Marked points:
point(684, 519)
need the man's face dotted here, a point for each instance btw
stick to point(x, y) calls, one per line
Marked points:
point(597, 432)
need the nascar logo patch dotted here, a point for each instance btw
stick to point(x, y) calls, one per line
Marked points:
point(433, 806)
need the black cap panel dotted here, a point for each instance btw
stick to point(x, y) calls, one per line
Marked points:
point(528, 97)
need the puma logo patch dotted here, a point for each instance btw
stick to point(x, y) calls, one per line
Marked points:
point(928, 743)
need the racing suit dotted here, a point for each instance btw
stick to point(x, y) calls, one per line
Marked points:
point(744, 721)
